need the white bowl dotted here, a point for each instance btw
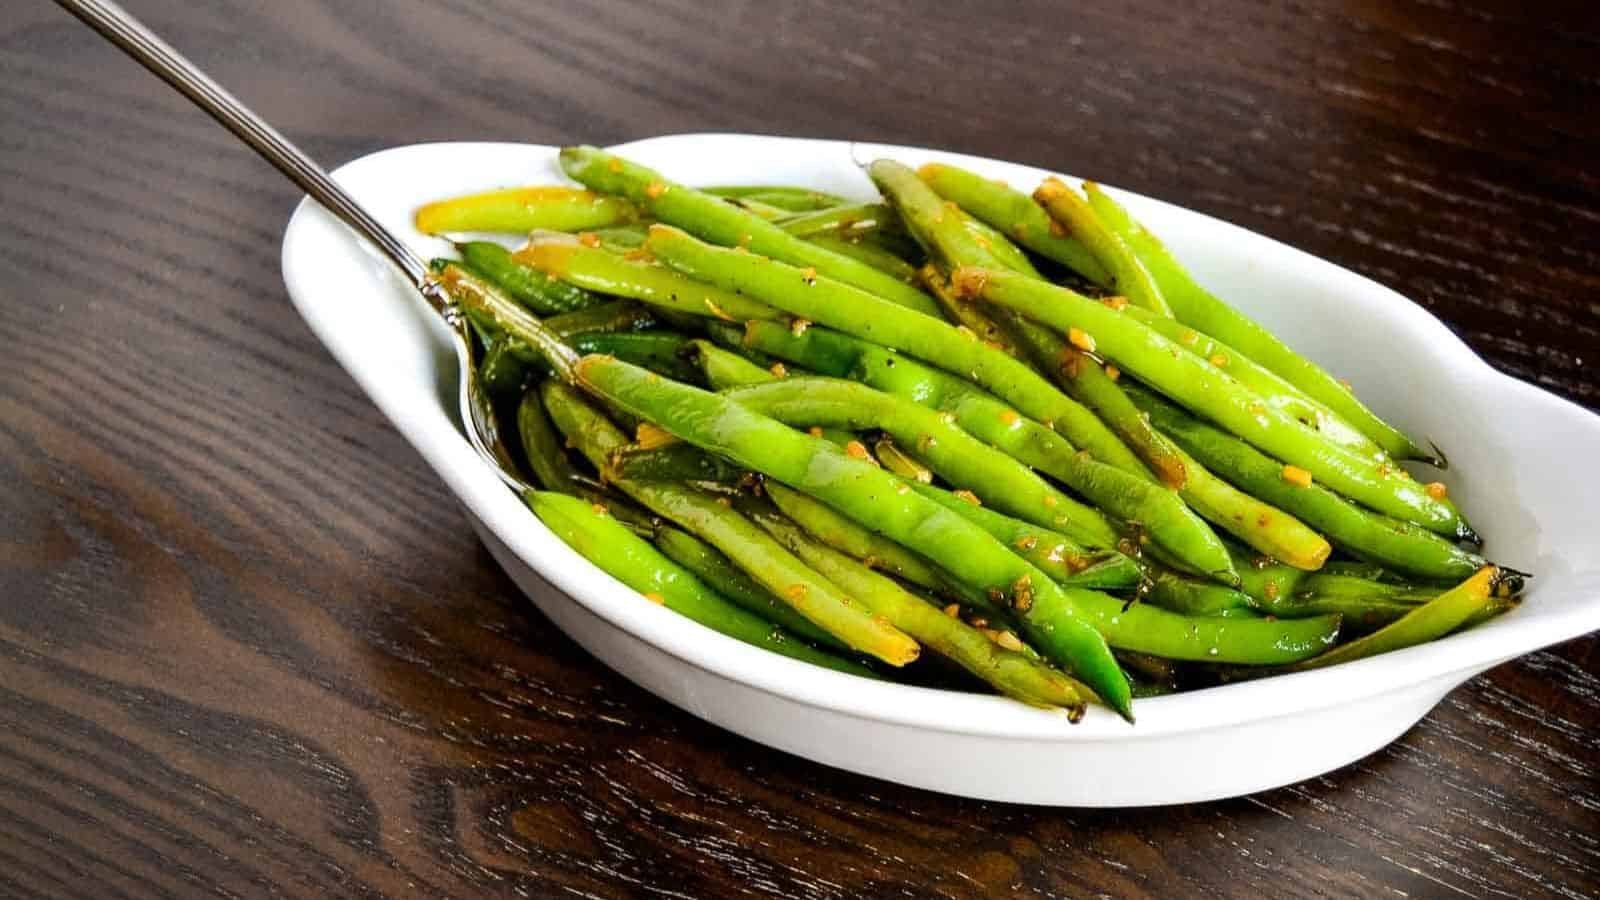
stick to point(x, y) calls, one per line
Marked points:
point(1521, 468)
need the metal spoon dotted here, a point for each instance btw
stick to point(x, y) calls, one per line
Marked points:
point(117, 26)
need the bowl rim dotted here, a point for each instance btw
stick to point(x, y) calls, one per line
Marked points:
point(312, 232)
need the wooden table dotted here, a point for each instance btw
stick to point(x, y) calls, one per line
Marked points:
point(248, 645)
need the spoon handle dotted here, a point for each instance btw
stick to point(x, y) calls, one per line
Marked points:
point(117, 26)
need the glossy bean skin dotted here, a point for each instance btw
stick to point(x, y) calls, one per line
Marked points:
point(848, 536)
point(542, 294)
point(954, 454)
point(874, 498)
point(721, 575)
point(633, 561)
point(934, 341)
point(1398, 545)
point(1129, 277)
point(701, 514)
point(1129, 497)
point(1198, 386)
point(1011, 672)
point(1195, 306)
point(1430, 621)
point(1015, 214)
point(719, 222)
point(522, 209)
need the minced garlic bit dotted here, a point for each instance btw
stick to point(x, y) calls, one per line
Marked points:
point(615, 165)
point(1112, 372)
point(654, 189)
point(1027, 542)
point(815, 431)
point(588, 239)
point(1080, 339)
point(856, 449)
point(967, 332)
point(809, 275)
point(724, 501)
point(795, 591)
point(902, 488)
point(1297, 476)
point(1010, 641)
point(1117, 303)
point(969, 496)
point(745, 239)
point(779, 370)
point(650, 436)
point(1022, 593)
point(1010, 417)
point(1050, 500)
point(1219, 359)
point(655, 598)
point(798, 326)
point(953, 610)
point(1343, 383)
point(1436, 490)
point(1057, 229)
point(982, 241)
point(599, 509)
point(1189, 337)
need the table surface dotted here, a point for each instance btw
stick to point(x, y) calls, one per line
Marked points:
point(249, 646)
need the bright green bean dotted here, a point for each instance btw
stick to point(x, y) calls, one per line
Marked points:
point(1015, 214)
point(710, 566)
point(855, 312)
point(874, 498)
point(1367, 534)
point(790, 199)
point(1430, 621)
point(1197, 385)
point(539, 292)
point(1129, 277)
point(721, 223)
point(1195, 306)
point(520, 210)
point(739, 539)
point(631, 560)
point(1011, 672)
point(846, 535)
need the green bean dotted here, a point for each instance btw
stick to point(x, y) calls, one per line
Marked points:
point(988, 419)
point(1434, 619)
point(718, 222)
point(1264, 579)
point(502, 372)
point(520, 210)
point(1011, 672)
point(737, 537)
point(564, 258)
point(871, 254)
point(1242, 640)
point(1365, 604)
point(860, 314)
point(710, 566)
point(482, 301)
point(539, 292)
point(1095, 388)
point(1194, 597)
point(758, 208)
point(901, 463)
point(621, 239)
point(1194, 383)
point(874, 498)
point(1199, 308)
point(1129, 277)
point(658, 351)
point(723, 369)
point(1343, 586)
point(791, 199)
point(546, 455)
point(955, 455)
point(1014, 214)
point(847, 218)
point(844, 534)
point(966, 313)
point(613, 315)
point(1051, 552)
point(674, 462)
point(1396, 544)
point(631, 560)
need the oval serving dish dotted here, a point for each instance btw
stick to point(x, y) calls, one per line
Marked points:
point(1515, 451)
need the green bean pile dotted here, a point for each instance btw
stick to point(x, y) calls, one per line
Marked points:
point(1008, 429)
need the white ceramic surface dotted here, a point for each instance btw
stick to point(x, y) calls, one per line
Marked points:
point(1521, 468)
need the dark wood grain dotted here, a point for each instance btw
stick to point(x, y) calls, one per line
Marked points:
point(248, 646)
